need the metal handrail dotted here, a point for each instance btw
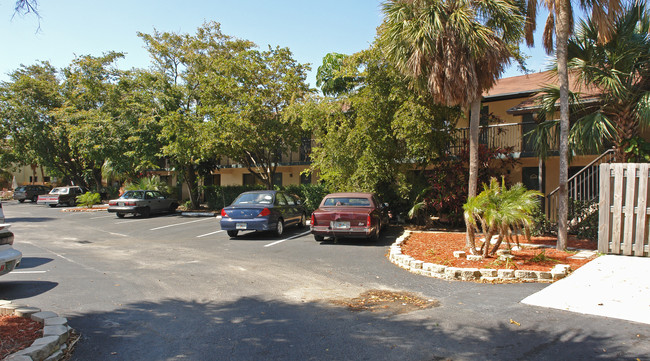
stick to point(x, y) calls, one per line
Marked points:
point(608, 151)
point(584, 185)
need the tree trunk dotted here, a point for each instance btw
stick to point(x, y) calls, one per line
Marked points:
point(190, 180)
point(475, 114)
point(562, 35)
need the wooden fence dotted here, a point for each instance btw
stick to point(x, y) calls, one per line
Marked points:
point(623, 209)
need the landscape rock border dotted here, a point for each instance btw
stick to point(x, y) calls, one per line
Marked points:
point(469, 274)
point(56, 332)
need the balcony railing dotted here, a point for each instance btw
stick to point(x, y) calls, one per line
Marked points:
point(500, 136)
point(300, 157)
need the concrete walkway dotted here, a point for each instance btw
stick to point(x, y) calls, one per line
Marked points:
point(610, 286)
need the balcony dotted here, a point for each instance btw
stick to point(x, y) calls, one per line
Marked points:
point(300, 157)
point(501, 136)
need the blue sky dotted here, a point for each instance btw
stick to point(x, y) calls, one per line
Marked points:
point(309, 28)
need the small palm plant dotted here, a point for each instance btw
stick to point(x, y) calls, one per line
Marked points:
point(500, 211)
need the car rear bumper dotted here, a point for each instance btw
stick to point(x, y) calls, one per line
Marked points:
point(124, 209)
point(9, 259)
point(352, 232)
point(231, 224)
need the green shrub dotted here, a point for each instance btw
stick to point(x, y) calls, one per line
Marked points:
point(583, 219)
point(152, 183)
point(88, 199)
point(218, 197)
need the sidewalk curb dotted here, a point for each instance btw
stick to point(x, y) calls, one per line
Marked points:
point(56, 332)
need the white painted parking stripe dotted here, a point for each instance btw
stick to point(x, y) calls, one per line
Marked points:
point(180, 224)
point(102, 217)
point(280, 241)
point(208, 234)
point(26, 272)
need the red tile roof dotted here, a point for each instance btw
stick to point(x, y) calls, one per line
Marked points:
point(530, 83)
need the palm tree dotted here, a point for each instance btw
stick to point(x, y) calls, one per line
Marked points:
point(455, 50)
point(620, 69)
point(501, 211)
point(560, 24)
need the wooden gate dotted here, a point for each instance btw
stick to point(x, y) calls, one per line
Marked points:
point(623, 209)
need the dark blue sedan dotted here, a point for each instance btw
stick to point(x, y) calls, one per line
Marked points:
point(262, 211)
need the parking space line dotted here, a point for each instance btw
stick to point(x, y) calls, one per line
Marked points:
point(208, 234)
point(282, 240)
point(102, 217)
point(26, 272)
point(180, 224)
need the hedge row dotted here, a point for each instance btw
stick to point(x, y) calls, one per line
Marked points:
point(218, 197)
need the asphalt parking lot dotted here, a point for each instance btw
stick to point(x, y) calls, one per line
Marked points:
point(177, 288)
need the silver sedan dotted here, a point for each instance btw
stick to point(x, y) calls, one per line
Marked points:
point(142, 202)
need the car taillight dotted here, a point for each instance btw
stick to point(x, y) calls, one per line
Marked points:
point(265, 212)
point(368, 221)
point(112, 203)
point(313, 220)
point(129, 203)
point(223, 213)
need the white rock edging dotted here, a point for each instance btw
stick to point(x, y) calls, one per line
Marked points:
point(469, 274)
point(51, 345)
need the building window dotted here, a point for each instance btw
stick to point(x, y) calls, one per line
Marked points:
point(216, 179)
point(46, 179)
point(305, 178)
point(249, 179)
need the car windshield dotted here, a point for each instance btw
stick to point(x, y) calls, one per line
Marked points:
point(59, 191)
point(132, 195)
point(20, 189)
point(254, 198)
point(346, 201)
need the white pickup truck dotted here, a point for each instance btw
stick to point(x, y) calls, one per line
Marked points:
point(9, 257)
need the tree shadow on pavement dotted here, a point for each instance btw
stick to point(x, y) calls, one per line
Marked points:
point(13, 290)
point(257, 329)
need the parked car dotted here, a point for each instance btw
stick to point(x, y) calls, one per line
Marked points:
point(349, 215)
point(30, 192)
point(9, 257)
point(142, 202)
point(262, 211)
point(62, 195)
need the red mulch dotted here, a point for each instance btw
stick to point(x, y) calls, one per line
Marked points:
point(17, 333)
point(439, 248)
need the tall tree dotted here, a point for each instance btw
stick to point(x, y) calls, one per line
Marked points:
point(455, 50)
point(249, 114)
point(369, 136)
point(559, 26)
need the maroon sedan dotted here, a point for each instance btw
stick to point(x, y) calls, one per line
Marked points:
point(349, 215)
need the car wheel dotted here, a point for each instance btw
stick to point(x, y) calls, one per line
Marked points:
point(72, 203)
point(52, 205)
point(232, 234)
point(375, 236)
point(319, 238)
point(119, 215)
point(21, 200)
point(280, 228)
point(146, 212)
point(34, 199)
point(172, 207)
point(303, 221)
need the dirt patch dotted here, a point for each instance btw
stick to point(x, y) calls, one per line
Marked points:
point(388, 302)
point(17, 333)
point(439, 248)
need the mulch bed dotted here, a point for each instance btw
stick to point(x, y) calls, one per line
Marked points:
point(17, 333)
point(439, 248)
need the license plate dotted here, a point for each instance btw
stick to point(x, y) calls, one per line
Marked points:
point(240, 225)
point(340, 225)
point(121, 204)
